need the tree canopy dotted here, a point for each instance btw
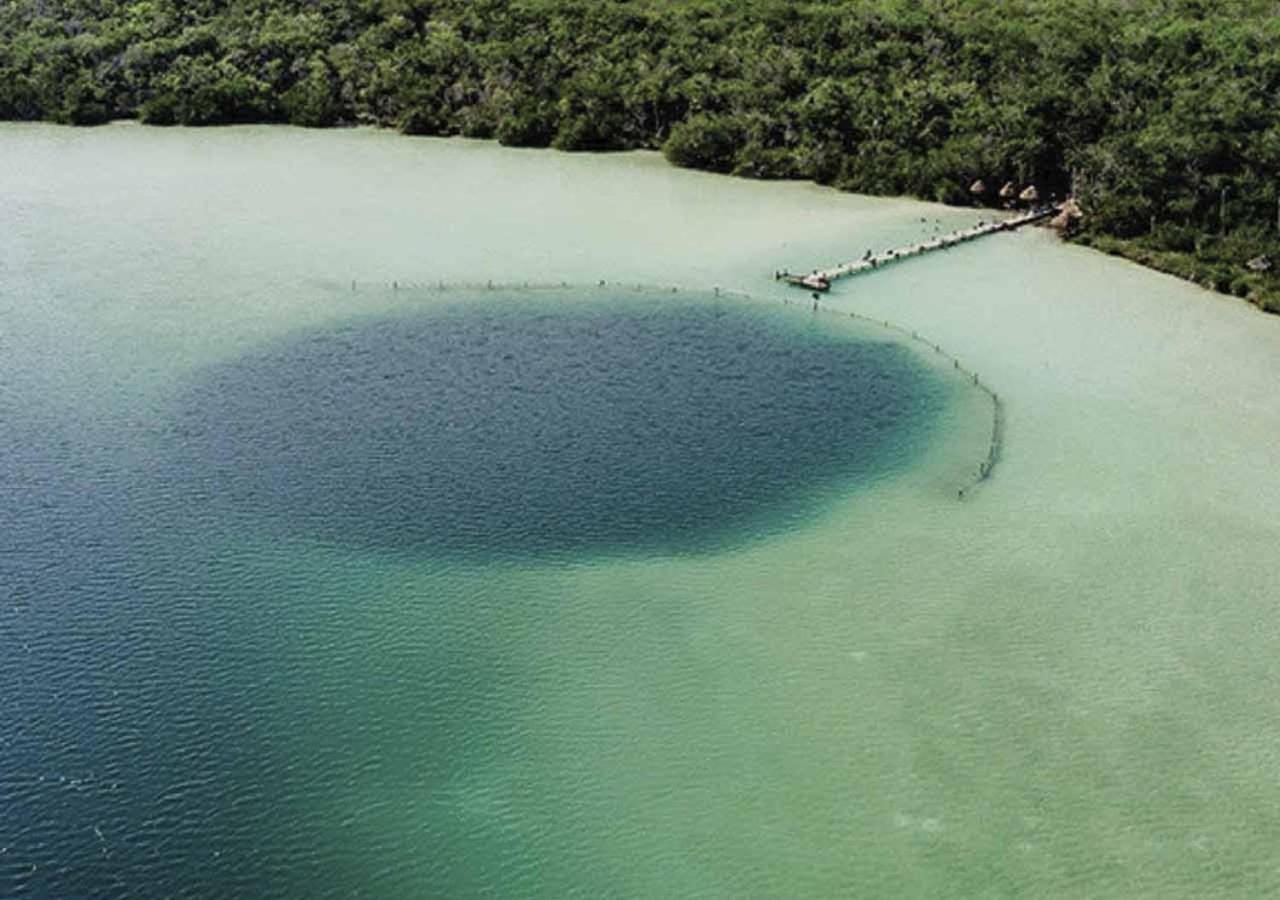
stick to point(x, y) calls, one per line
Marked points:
point(1162, 116)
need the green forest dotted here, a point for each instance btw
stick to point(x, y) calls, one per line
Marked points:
point(1163, 116)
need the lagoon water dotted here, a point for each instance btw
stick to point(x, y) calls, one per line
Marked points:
point(322, 589)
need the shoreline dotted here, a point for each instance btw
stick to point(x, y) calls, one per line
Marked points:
point(1184, 266)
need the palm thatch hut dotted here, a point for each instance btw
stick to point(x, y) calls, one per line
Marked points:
point(978, 188)
point(1008, 192)
point(1068, 217)
point(1029, 194)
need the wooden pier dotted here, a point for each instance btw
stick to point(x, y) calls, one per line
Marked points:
point(820, 280)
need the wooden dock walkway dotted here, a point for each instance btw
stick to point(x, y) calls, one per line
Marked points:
point(821, 279)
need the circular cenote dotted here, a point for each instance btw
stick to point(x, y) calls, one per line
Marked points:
point(296, 615)
point(519, 423)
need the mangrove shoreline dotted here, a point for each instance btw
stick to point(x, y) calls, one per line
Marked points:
point(1163, 120)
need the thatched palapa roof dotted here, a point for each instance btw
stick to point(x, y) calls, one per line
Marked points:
point(1068, 216)
point(978, 187)
point(1029, 194)
point(1008, 191)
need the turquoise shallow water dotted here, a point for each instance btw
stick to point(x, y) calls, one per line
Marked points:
point(315, 571)
point(854, 684)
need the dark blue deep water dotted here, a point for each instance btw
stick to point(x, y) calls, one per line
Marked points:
point(187, 709)
point(523, 428)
